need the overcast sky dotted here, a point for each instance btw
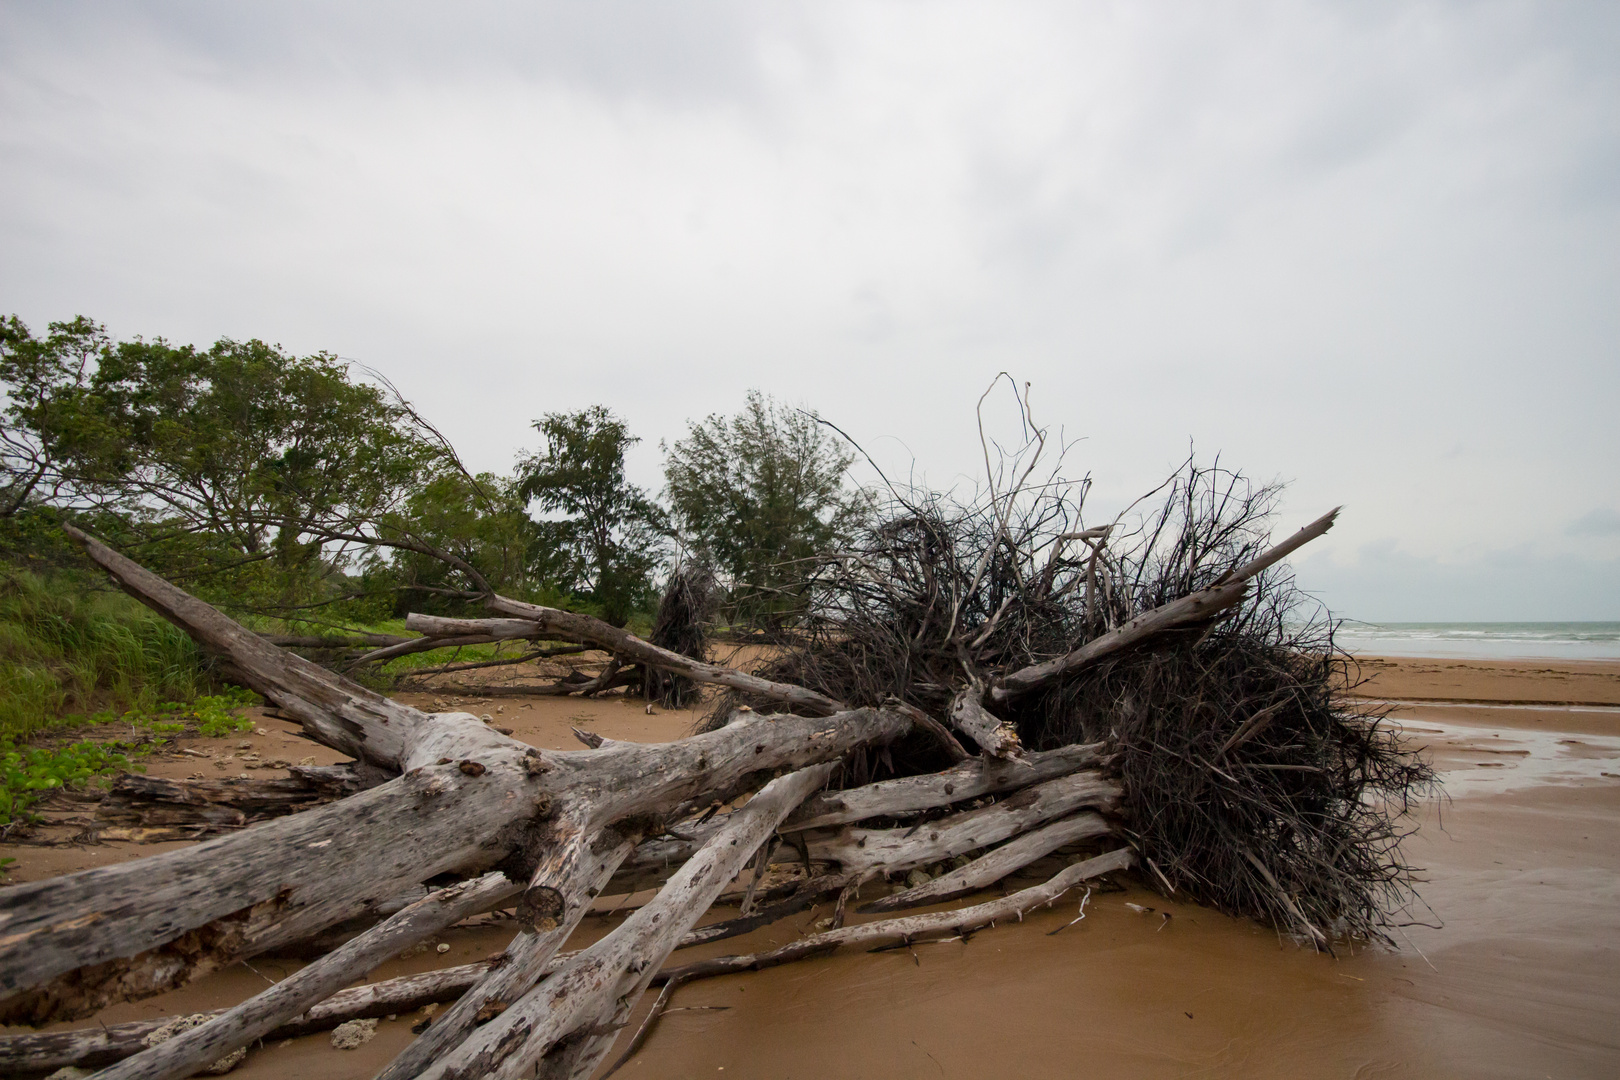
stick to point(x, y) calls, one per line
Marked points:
point(1371, 249)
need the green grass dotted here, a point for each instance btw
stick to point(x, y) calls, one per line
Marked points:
point(73, 658)
point(67, 651)
point(29, 773)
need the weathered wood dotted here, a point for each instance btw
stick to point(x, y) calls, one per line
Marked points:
point(336, 711)
point(958, 922)
point(437, 626)
point(624, 778)
point(418, 645)
point(857, 851)
point(70, 945)
point(654, 860)
point(971, 779)
point(182, 913)
point(578, 868)
point(1189, 610)
point(621, 964)
point(190, 1050)
point(92, 1048)
point(570, 626)
point(151, 801)
point(471, 797)
point(354, 639)
point(995, 736)
point(804, 895)
point(994, 865)
point(501, 661)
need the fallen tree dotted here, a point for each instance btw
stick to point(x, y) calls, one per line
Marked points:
point(1145, 700)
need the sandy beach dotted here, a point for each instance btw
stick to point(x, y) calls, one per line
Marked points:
point(1509, 968)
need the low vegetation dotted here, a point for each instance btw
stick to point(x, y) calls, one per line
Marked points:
point(68, 651)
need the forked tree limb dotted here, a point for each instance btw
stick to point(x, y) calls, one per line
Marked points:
point(1189, 610)
point(191, 1050)
point(440, 633)
point(586, 989)
point(525, 959)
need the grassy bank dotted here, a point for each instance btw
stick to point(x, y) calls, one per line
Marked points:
point(67, 652)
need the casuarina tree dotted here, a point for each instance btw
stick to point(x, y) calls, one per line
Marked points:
point(762, 492)
point(608, 537)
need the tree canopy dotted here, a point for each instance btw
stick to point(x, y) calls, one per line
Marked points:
point(761, 492)
point(239, 459)
point(609, 537)
point(278, 483)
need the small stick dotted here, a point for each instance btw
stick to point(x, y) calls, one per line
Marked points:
point(660, 1006)
point(1078, 917)
point(761, 859)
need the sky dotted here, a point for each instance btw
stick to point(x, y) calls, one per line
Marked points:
point(1368, 249)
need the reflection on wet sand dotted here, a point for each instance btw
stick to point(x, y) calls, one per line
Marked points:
point(1510, 970)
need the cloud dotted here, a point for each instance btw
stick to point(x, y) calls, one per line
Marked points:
point(1603, 521)
point(1335, 242)
point(1382, 583)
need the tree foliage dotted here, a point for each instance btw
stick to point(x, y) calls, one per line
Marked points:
point(480, 521)
point(761, 492)
point(608, 537)
point(240, 468)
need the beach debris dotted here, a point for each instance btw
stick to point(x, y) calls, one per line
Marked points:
point(185, 1023)
point(1077, 918)
point(354, 1034)
point(995, 682)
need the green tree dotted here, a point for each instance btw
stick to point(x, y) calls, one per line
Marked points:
point(762, 492)
point(610, 536)
point(38, 374)
point(248, 472)
point(480, 520)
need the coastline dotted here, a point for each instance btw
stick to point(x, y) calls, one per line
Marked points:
point(1514, 974)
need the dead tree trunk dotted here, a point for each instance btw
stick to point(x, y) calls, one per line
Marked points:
point(554, 829)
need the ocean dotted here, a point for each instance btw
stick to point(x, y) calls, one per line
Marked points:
point(1484, 640)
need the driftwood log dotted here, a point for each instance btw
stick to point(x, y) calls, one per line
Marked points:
point(444, 794)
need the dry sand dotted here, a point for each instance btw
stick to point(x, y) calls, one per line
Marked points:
point(1518, 976)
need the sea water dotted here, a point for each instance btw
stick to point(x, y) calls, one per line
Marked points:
point(1487, 640)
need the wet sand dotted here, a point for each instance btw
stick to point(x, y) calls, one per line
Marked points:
point(1517, 976)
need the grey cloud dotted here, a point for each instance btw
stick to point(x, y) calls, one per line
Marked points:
point(1384, 583)
point(1603, 521)
point(702, 50)
point(1331, 240)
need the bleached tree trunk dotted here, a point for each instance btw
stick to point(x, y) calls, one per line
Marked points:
point(452, 795)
